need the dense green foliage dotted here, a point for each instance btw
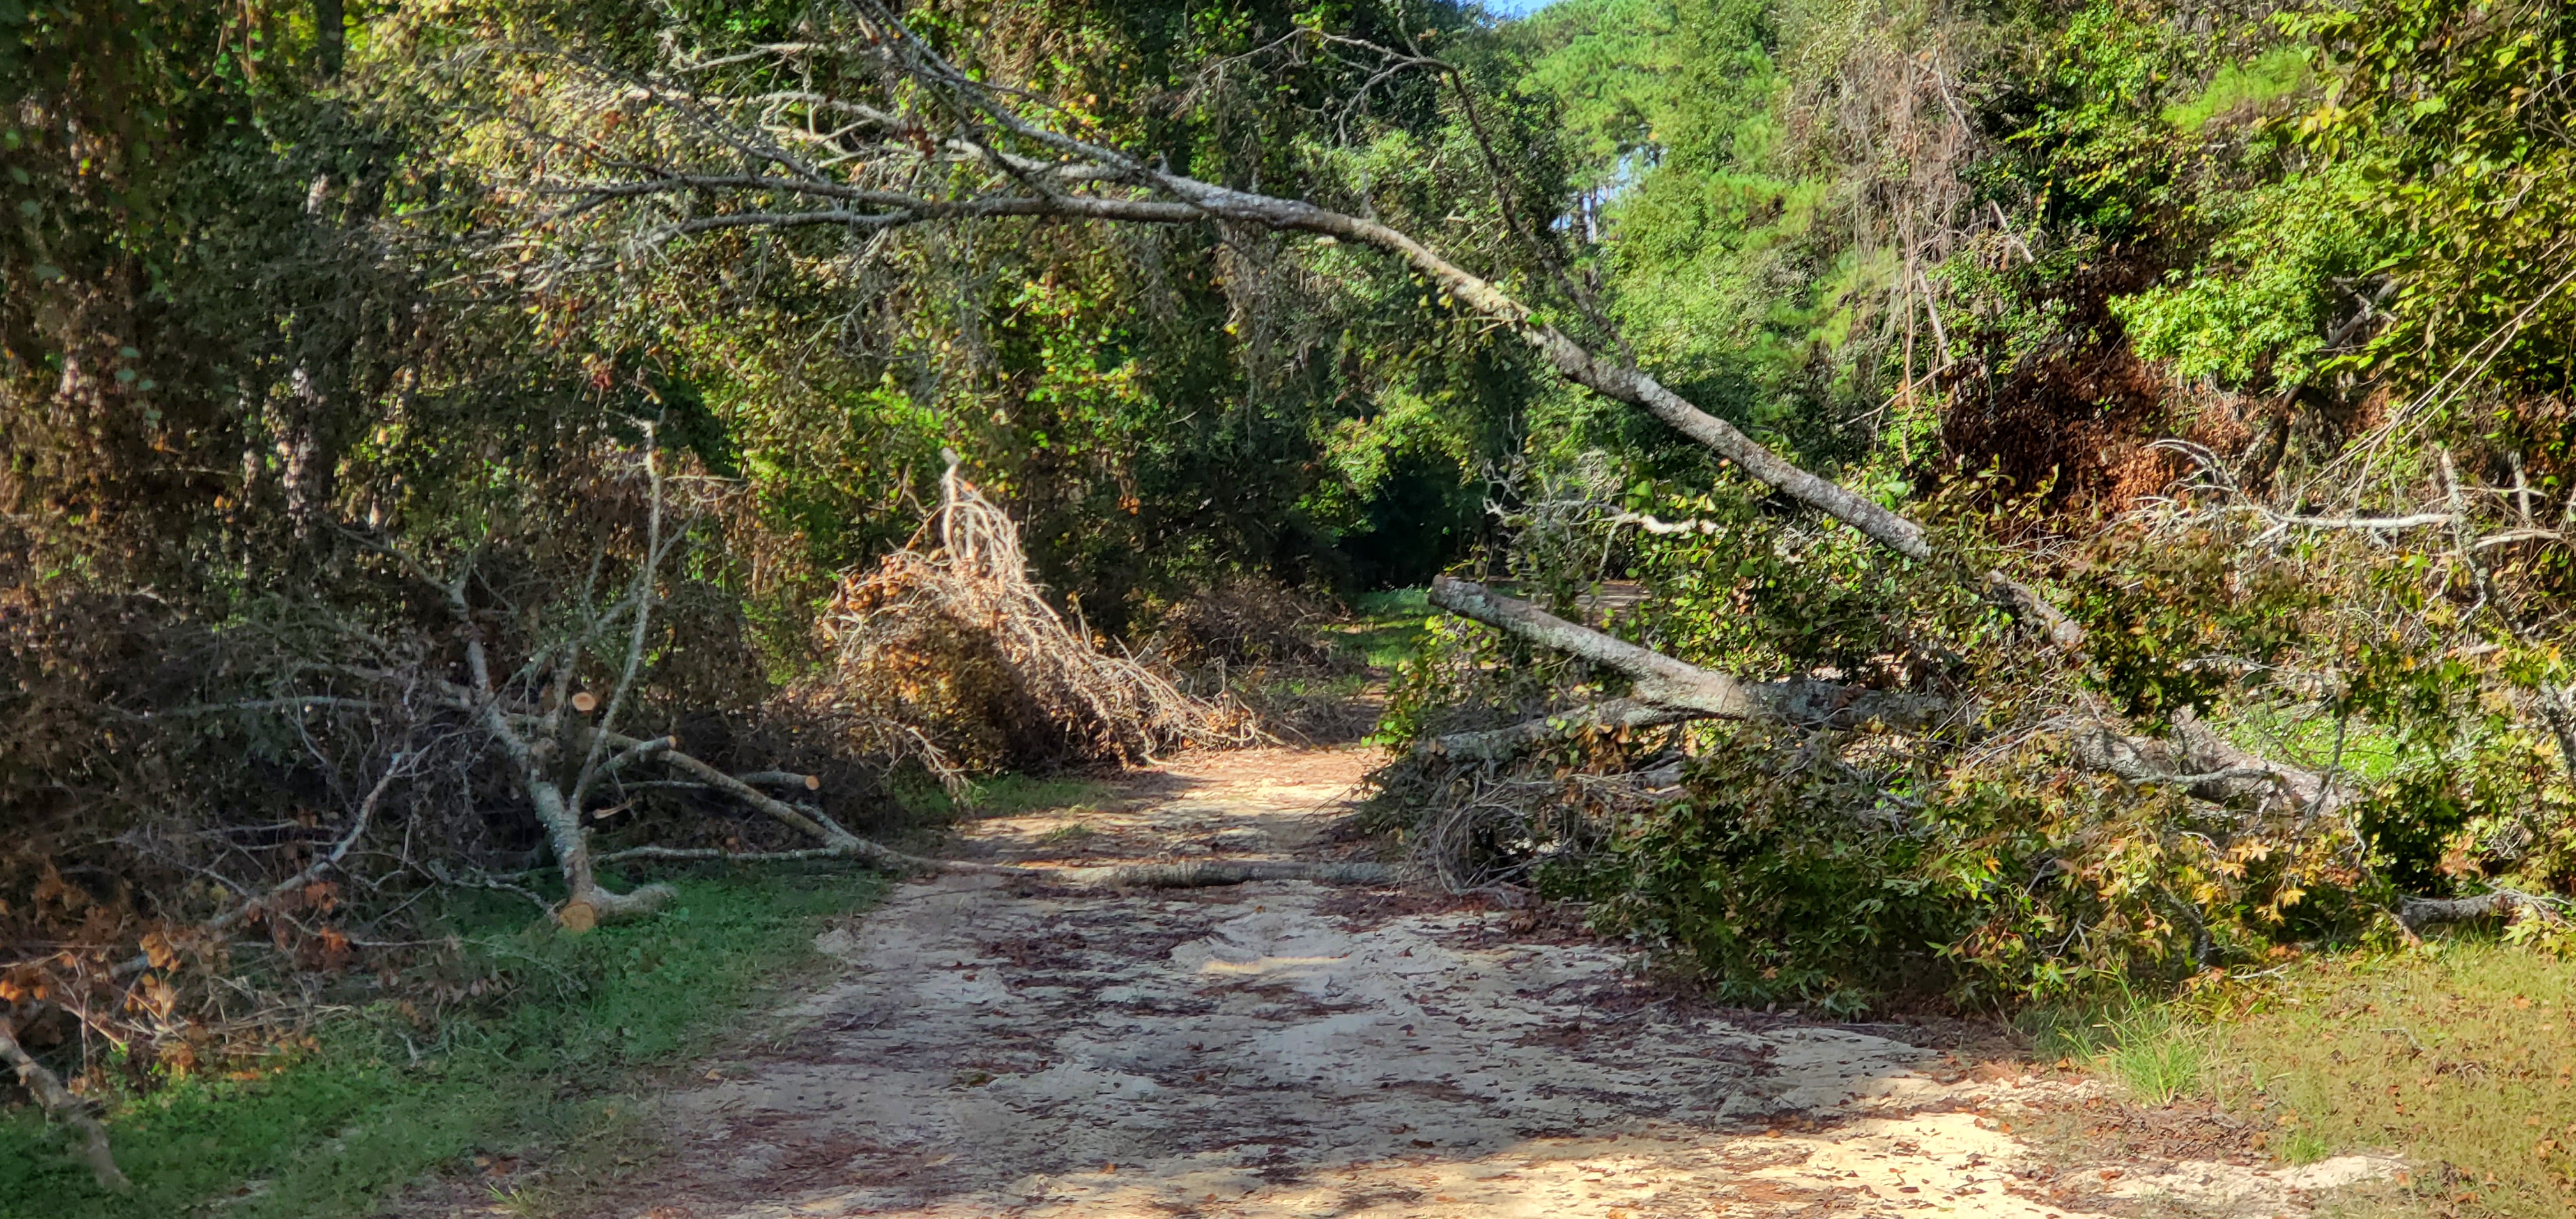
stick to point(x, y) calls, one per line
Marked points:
point(1159, 407)
point(2156, 305)
point(1979, 260)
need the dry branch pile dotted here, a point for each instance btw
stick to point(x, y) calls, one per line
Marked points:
point(953, 657)
point(548, 711)
point(1245, 621)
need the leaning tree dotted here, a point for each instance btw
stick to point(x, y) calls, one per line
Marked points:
point(862, 127)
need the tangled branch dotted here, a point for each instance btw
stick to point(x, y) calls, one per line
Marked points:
point(930, 631)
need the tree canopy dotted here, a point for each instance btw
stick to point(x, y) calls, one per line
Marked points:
point(1996, 500)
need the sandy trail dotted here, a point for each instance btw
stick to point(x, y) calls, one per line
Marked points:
point(1286, 1049)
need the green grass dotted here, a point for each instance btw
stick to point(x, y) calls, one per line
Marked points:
point(2157, 1066)
point(2453, 1057)
point(2305, 1147)
point(2271, 76)
point(1387, 627)
point(547, 1072)
point(2155, 1058)
point(2361, 750)
point(1009, 795)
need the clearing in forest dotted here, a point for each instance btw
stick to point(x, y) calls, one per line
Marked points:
point(997, 1046)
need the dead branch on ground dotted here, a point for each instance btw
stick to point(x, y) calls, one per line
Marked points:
point(59, 1104)
point(1664, 690)
point(931, 623)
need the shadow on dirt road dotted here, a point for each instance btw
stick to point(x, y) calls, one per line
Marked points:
point(1287, 1049)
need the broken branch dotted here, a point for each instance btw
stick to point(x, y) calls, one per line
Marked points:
point(59, 1104)
point(1664, 690)
point(1040, 180)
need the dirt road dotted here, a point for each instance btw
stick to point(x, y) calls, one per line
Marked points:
point(1286, 1049)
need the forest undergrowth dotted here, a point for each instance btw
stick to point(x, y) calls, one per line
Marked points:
point(518, 1059)
point(1981, 506)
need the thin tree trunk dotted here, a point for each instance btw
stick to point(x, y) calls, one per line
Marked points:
point(1664, 690)
point(59, 1104)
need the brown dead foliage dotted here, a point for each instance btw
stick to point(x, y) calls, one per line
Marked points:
point(211, 821)
point(947, 653)
point(1245, 620)
point(2071, 421)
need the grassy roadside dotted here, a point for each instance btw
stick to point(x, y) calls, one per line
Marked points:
point(2456, 1057)
point(1003, 795)
point(548, 1074)
point(1386, 628)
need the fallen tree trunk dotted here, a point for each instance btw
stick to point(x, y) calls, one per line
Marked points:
point(2418, 913)
point(1669, 691)
point(59, 1104)
point(1663, 690)
point(2196, 757)
point(1496, 744)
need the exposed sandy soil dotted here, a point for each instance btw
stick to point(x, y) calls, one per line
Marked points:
point(1287, 1049)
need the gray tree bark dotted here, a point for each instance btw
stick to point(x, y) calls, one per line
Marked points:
point(59, 1104)
point(1664, 690)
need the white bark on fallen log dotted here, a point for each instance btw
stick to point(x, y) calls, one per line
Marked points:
point(1669, 691)
point(783, 778)
point(1496, 744)
point(2418, 913)
point(59, 1104)
point(2196, 757)
point(1663, 690)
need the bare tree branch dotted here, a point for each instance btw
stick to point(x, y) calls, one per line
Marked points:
point(783, 778)
point(60, 1105)
point(1664, 690)
point(403, 765)
point(989, 124)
